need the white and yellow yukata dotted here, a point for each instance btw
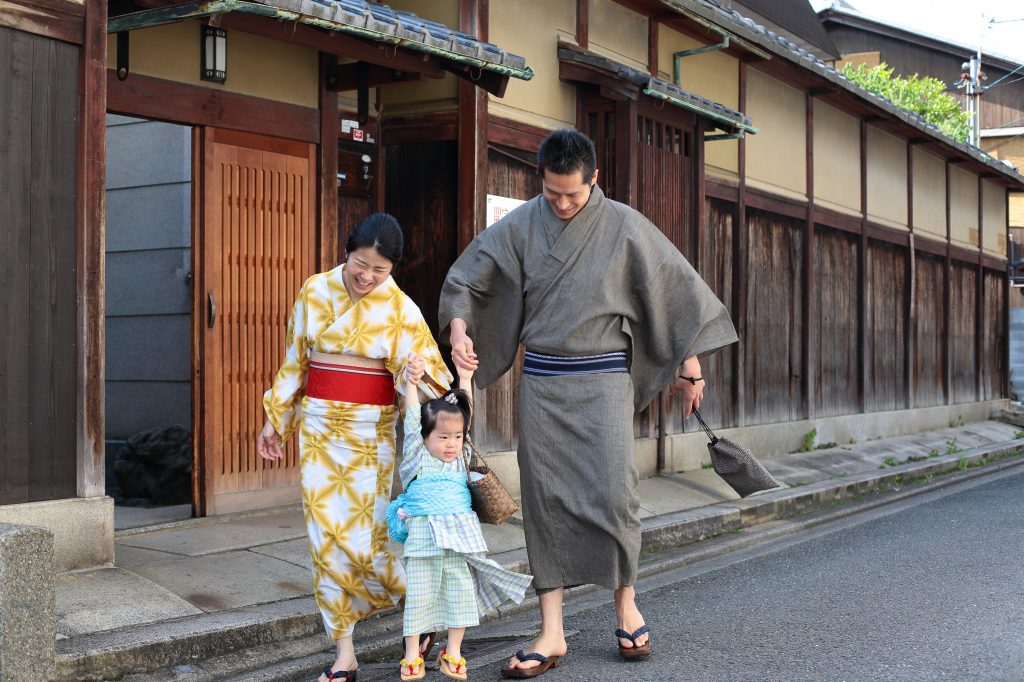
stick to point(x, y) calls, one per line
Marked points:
point(347, 449)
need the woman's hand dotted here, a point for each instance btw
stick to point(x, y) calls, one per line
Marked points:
point(462, 347)
point(268, 445)
point(693, 394)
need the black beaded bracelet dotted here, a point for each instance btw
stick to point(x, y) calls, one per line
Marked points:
point(692, 380)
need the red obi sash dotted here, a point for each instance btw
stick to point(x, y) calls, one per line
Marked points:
point(349, 379)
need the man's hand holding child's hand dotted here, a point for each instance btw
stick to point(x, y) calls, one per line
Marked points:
point(414, 367)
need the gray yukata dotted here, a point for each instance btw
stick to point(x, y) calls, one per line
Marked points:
point(608, 280)
point(450, 582)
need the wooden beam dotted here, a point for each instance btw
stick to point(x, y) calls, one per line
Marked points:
point(862, 275)
point(345, 76)
point(515, 134)
point(807, 336)
point(434, 127)
point(472, 134)
point(717, 188)
point(57, 20)
point(328, 256)
point(335, 43)
point(165, 100)
point(90, 252)
point(583, 23)
point(739, 267)
point(494, 83)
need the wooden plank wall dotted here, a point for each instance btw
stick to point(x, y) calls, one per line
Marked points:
point(498, 406)
point(665, 196)
point(773, 318)
point(929, 323)
point(963, 382)
point(717, 263)
point(835, 369)
point(38, 411)
point(887, 279)
point(994, 336)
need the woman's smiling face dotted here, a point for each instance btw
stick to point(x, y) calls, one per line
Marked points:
point(365, 270)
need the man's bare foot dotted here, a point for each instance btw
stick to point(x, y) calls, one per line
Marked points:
point(554, 646)
point(629, 616)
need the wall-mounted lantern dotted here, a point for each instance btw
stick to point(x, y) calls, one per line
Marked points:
point(214, 54)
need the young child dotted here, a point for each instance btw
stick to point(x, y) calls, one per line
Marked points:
point(450, 582)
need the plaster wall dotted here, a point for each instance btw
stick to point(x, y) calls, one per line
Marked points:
point(836, 159)
point(776, 155)
point(993, 218)
point(618, 33)
point(929, 194)
point(533, 29)
point(887, 179)
point(963, 196)
point(256, 66)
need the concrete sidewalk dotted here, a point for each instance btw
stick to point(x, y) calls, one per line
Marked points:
point(187, 591)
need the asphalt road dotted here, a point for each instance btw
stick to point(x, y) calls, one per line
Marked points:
point(931, 588)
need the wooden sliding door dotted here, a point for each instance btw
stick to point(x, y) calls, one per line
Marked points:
point(255, 245)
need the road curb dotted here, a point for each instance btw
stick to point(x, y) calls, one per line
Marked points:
point(113, 654)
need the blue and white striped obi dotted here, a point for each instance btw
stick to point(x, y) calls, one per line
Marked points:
point(538, 364)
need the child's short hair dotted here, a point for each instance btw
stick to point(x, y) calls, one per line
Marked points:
point(452, 402)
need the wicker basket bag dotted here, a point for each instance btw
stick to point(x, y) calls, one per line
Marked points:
point(491, 501)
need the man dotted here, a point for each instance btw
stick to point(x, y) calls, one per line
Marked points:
point(610, 312)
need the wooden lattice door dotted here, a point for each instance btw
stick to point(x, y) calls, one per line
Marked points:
point(256, 242)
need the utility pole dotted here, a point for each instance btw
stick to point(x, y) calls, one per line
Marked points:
point(971, 76)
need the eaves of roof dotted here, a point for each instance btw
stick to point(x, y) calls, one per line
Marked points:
point(732, 21)
point(371, 21)
point(724, 117)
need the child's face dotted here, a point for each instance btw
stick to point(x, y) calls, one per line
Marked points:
point(445, 441)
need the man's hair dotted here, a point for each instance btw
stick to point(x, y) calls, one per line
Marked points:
point(566, 151)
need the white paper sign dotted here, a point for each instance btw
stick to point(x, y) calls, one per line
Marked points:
point(499, 207)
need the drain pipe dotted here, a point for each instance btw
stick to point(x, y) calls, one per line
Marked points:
point(662, 432)
point(676, 56)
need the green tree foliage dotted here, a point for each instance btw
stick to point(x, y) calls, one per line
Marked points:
point(925, 96)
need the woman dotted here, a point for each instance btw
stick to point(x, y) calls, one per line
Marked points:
point(349, 335)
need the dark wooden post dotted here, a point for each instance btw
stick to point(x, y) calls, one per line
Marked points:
point(626, 152)
point(91, 181)
point(1007, 290)
point(979, 297)
point(909, 288)
point(947, 385)
point(652, 45)
point(472, 133)
point(328, 256)
point(807, 335)
point(700, 190)
point(739, 267)
point(862, 274)
point(583, 23)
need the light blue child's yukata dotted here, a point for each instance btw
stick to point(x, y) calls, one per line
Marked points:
point(450, 582)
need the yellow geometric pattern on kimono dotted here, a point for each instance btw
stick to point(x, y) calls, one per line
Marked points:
point(347, 451)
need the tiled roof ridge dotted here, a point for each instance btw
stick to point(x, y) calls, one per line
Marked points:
point(730, 19)
point(408, 29)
